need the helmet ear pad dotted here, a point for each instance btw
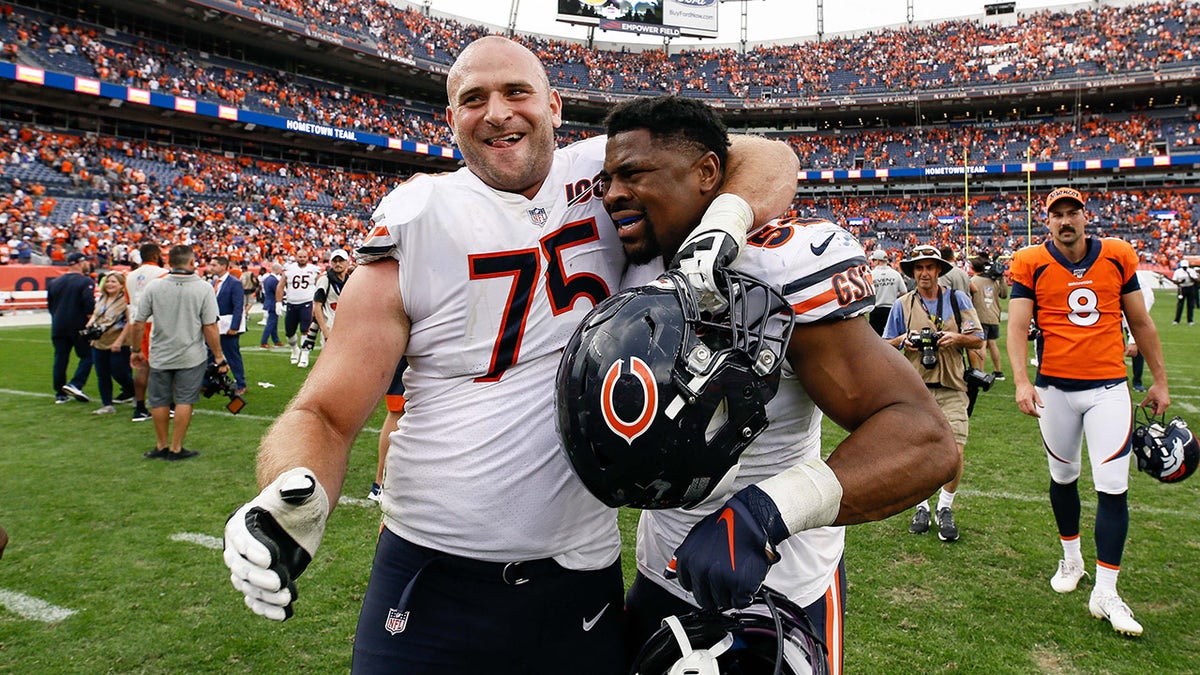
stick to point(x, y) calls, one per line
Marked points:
point(655, 403)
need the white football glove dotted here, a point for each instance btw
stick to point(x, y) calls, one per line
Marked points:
point(270, 541)
point(713, 245)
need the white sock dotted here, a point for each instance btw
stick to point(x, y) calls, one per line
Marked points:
point(923, 506)
point(1071, 549)
point(946, 499)
point(1106, 579)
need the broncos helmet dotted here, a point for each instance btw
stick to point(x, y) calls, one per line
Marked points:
point(773, 636)
point(1166, 451)
point(657, 401)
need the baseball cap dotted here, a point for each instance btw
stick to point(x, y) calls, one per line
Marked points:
point(1184, 263)
point(878, 254)
point(338, 253)
point(924, 252)
point(1064, 193)
point(75, 257)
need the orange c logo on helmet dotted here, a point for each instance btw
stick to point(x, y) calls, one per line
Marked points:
point(641, 422)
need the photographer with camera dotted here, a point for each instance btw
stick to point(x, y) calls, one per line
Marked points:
point(935, 327)
point(184, 309)
point(110, 353)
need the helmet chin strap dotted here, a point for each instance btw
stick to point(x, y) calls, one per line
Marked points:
point(698, 661)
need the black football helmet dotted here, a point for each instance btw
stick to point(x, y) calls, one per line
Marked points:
point(657, 401)
point(1166, 451)
point(772, 636)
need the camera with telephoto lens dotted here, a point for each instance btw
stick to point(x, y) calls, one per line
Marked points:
point(926, 341)
point(216, 382)
point(979, 378)
point(92, 332)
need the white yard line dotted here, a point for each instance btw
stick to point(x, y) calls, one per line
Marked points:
point(1045, 499)
point(32, 608)
point(215, 543)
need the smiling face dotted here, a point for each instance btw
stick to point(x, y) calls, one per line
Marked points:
point(113, 285)
point(656, 190)
point(503, 114)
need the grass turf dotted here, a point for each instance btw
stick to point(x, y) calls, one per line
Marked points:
point(96, 529)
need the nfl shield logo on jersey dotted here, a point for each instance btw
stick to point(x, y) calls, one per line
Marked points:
point(538, 216)
point(396, 621)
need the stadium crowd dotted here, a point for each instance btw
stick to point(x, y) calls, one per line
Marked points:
point(103, 196)
point(1096, 41)
point(139, 62)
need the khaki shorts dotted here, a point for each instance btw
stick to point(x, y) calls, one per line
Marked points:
point(954, 406)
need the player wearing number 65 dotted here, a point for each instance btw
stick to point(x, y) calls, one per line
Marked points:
point(493, 556)
point(1079, 286)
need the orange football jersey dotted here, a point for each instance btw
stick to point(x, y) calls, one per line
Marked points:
point(1078, 307)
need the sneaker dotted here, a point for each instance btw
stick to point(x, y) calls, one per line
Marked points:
point(141, 415)
point(947, 530)
point(303, 362)
point(1138, 386)
point(157, 453)
point(373, 495)
point(75, 392)
point(61, 399)
point(1068, 575)
point(295, 354)
point(123, 398)
point(183, 453)
point(999, 375)
point(920, 521)
point(1114, 609)
point(105, 410)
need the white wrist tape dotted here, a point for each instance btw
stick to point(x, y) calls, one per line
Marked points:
point(728, 213)
point(807, 495)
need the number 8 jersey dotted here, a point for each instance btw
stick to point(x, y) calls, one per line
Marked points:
point(494, 285)
point(1078, 308)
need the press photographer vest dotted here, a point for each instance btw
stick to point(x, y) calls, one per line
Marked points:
point(950, 367)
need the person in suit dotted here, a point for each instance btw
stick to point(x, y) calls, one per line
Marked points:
point(71, 299)
point(231, 300)
point(270, 281)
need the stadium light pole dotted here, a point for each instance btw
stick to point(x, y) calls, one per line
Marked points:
point(512, 17)
point(744, 32)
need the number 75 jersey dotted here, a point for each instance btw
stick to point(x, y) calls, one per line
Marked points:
point(491, 279)
point(1078, 307)
point(494, 285)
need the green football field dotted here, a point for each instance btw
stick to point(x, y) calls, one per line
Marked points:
point(115, 562)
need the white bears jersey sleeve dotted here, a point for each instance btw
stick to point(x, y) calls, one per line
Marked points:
point(822, 270)
point(300, 283)
point(494, 285)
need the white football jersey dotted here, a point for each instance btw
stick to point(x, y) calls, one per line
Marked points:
point(494, 285)
point(331, 294)
point(299, 283)
point(822, 271)
point(136, 281)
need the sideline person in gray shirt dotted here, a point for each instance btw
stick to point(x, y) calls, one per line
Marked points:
point(184, 309)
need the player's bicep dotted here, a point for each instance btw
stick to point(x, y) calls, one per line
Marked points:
point(849, 372)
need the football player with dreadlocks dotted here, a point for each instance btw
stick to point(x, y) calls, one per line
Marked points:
point(780, 519)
